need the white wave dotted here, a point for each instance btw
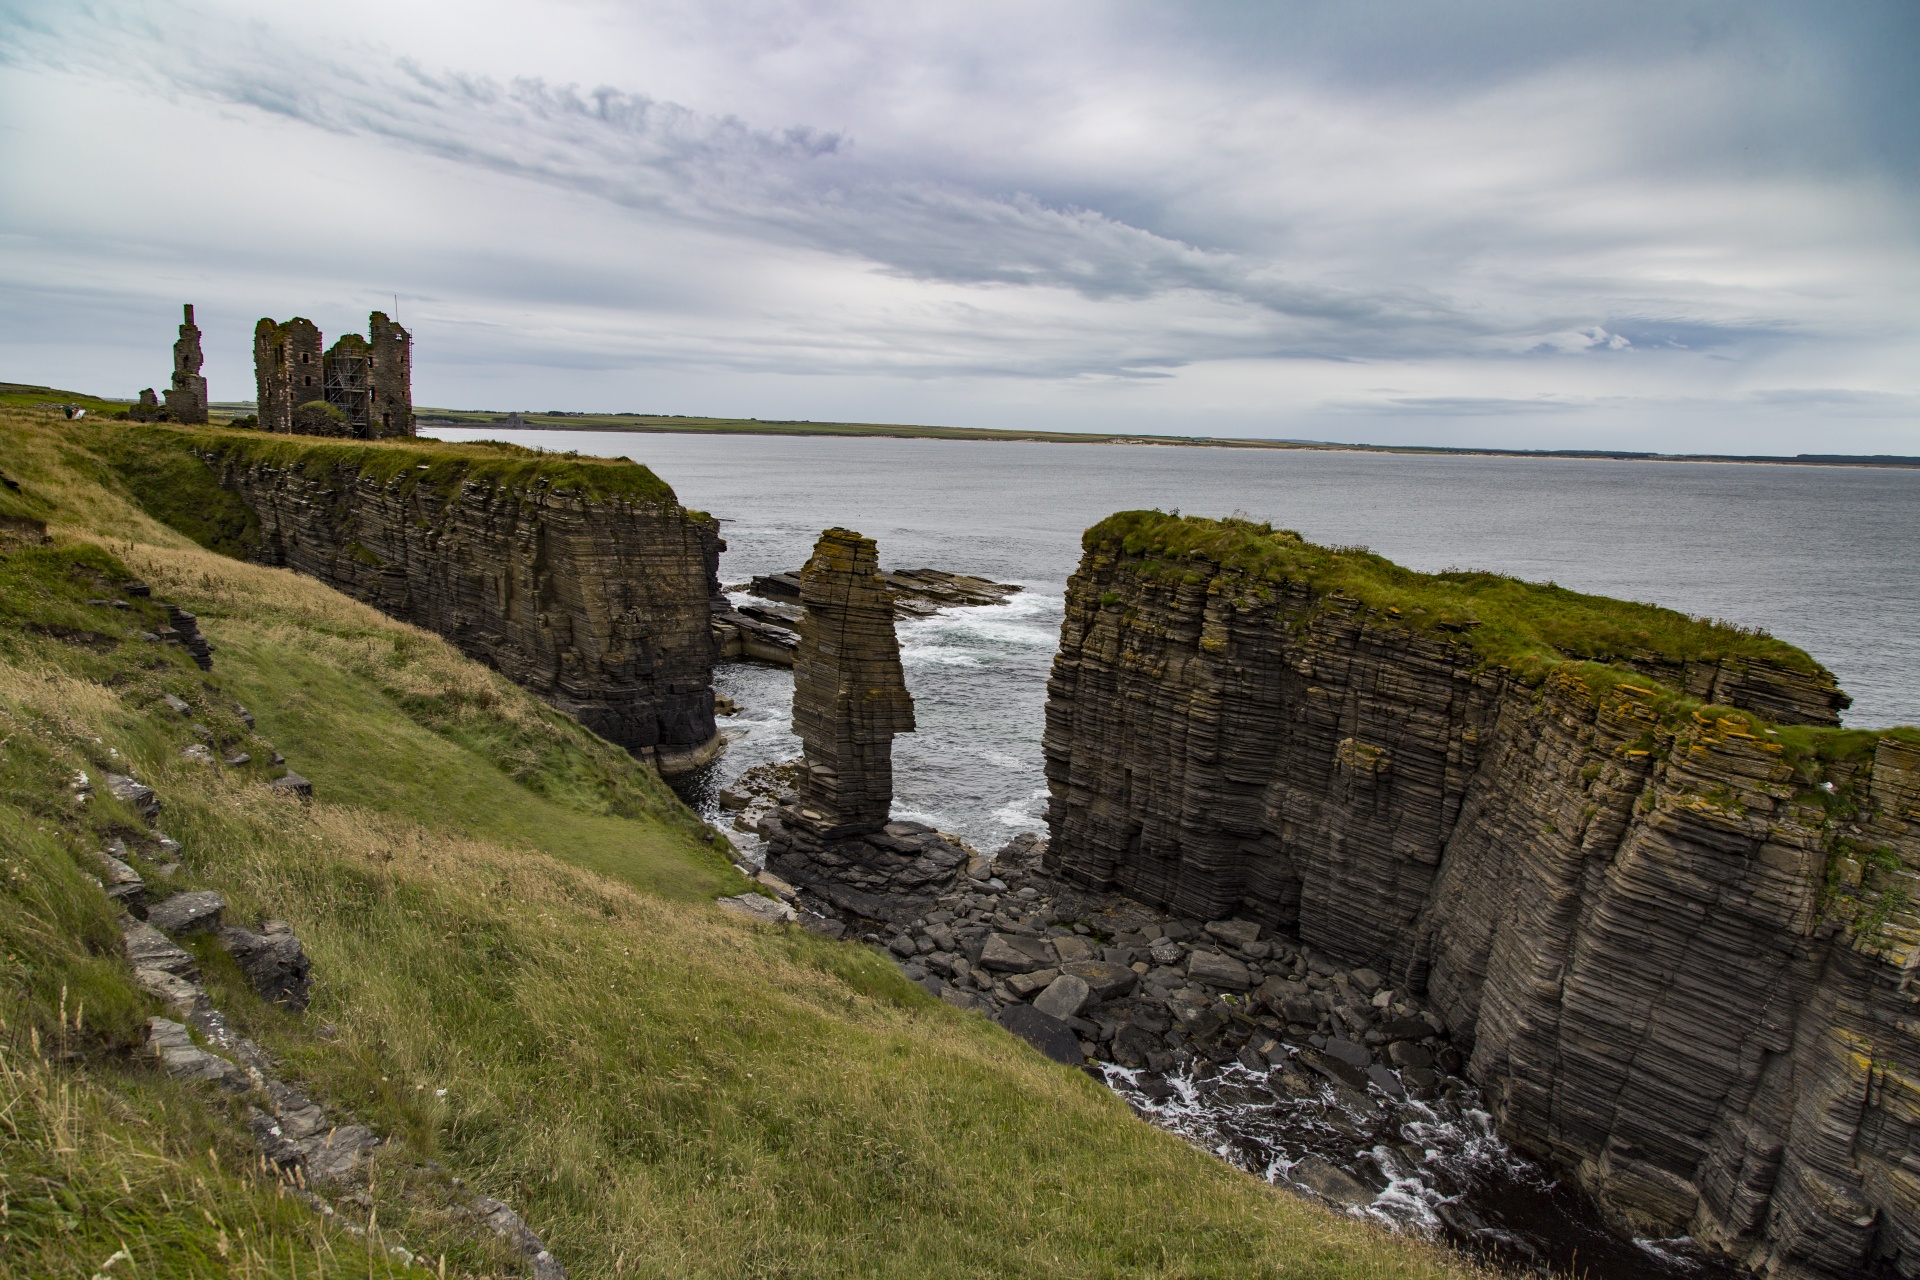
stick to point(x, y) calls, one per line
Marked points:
point(1003, 760)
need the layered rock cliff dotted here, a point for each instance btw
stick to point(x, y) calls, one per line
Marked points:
point(1663, 898)
point(582, 580)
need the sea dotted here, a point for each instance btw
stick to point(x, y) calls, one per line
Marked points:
point(1827, 558)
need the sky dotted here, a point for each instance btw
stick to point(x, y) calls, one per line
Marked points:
point(1667, 225)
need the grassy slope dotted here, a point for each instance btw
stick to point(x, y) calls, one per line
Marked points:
point(660, 1089)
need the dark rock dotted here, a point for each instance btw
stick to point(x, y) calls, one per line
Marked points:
point(500, 1219)
point(1235, 933)
point(1385, 1079)
point(598, 607)
point(123, 884)
point(1048, 1034)
point(185, 914)
point(1347, 1051)
point(135, 795)
point(292, 784)
point(1334, 1069)
point(1106, 981)
point(1330, 1183)
point(1064, 997)
point(849, 697)
point(1011, 953)
point(1405, 1053)
point(1218, 970)
point(1404, 1029)
point(273, 961)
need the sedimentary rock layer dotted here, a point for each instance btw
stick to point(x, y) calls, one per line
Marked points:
point(849, 695)
point(593, 594)
point(1677, 938)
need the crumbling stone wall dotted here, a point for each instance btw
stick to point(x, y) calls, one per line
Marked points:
point(187, 397)
point(365, 384)
point(287, 370)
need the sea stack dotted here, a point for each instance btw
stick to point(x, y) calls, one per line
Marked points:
point(849, 695)
point(849, 700)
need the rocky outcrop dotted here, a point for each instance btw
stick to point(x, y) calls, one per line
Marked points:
point(849, 699)
point(917, 593)
point(849, 695)
point(1677, 940)
point(582, 581)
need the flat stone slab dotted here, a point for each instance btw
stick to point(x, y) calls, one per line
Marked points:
point(758, 908)
point(185, 914)
point(148, 948)
point(1044, 1032)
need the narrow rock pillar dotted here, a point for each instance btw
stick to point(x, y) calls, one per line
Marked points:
point(849, 695)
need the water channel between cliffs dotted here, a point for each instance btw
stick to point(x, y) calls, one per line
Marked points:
point(1755, 545)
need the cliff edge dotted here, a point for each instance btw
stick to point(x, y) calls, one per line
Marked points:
point(1630, 855)
point(581, 579)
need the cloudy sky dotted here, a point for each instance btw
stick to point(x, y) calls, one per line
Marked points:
point(1661, 225)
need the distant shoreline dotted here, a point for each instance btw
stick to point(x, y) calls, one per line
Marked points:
point(662, 424)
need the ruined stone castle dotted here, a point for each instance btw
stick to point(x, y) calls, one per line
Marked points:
point(361, 388)
point(187, 394)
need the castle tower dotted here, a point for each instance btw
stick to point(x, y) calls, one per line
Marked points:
point(288, 370)
point(364, 385)
point(187, 397)
point(390, 381)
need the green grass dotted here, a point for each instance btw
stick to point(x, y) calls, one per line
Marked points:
point(1525, 626)
point(502, 907)
point(18, 395)
point(409, 463)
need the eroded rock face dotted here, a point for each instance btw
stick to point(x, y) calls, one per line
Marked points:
point(598, 607)
point(849, 695)
point(849, 699)
point(1681, 962)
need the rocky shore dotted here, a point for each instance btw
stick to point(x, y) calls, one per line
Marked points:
point(770, 632)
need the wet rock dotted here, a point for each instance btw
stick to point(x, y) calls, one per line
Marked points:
point(1330, 1183)
point(1044, 1032)
point(1387, 1081)
point(1334, 1069)
point(185, 914)
point(1354, 1055)
point(1405, 1053)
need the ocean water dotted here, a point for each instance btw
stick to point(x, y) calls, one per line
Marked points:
point(1825, 557)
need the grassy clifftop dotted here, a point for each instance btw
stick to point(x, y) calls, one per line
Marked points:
point(519, 981)
point(169, 470)
point(1526, 626)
